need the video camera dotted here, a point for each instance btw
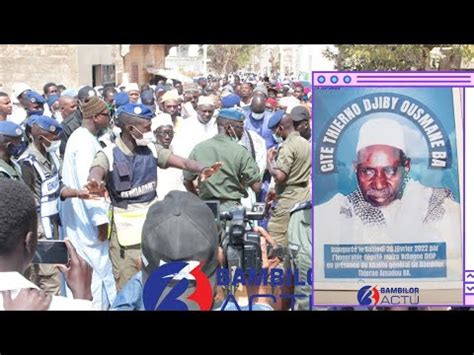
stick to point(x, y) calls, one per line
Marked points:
point(241, 244)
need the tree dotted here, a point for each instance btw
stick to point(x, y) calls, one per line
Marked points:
point(229, 58)
point(399, 57)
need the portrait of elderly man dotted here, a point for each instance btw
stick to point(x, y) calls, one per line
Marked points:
point(388, 206)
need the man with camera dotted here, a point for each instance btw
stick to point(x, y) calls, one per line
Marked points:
point(195, 241)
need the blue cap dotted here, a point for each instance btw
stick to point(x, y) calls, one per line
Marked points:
point(231, 114)
point(52, 100)
point(121, 98)
point(138, 110)
point(147, 97)
point(34, 97)
point(10, 129)
point(230, 101)
point(47, 123)
point(160, 88)
point(275, 119)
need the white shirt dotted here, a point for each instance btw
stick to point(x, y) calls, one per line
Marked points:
point(261, 160)
point(193, 132)
point(15, 282)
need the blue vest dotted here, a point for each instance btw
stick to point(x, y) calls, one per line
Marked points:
point(133, 178)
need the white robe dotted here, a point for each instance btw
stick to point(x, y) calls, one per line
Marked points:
point(335, 222)
point(192, 132)
point(80, 218)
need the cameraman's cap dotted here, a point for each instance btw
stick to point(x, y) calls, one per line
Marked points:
point(179, 228)
point(275, 119)
point(299, 113)
point(8, 128)
point(44, 122)
point(137, 110)
point(34, 97)
point(231, 114)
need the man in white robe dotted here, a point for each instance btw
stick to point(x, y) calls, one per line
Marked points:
point(196, 128)
point(86, 222)
point(390, 208)
point(171, 178)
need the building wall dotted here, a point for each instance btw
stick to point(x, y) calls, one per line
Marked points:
point(184, 64)
point(143, 57)
point(89, 55)
point(38, 64)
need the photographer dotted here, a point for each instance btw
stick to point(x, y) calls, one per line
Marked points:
point(18, 243)
point(195, 240)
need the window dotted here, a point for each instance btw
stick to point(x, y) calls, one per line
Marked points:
point(103, 74)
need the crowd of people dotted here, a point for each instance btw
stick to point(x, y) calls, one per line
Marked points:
point(95, 166)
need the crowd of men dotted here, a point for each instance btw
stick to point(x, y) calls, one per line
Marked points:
point(98, 161)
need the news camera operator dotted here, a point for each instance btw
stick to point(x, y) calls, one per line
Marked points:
point(195, 240)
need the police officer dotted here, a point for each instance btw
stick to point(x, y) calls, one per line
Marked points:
point(238, 171)
point(40, 167)
point(12, 145)
point(127, 169)
point(300, 245)
point(290, 171)
point(34, 104)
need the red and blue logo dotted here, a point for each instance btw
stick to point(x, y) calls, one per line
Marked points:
point(166, 288)
point(368, 295)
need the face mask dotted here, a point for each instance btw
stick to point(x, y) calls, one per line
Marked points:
point(53, 145)
point(277, 139)
point(269, 110)
point(258, 116)
point(148, 138)
point(16, 150)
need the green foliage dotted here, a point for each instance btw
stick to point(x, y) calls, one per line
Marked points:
point(228, 58)
point(399, 57)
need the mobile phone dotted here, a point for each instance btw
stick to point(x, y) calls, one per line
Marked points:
point(51, 252)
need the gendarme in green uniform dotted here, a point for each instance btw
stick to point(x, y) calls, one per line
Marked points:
point(238, 170)
point(8, 171)
point(294, 159)
point(300, 237)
